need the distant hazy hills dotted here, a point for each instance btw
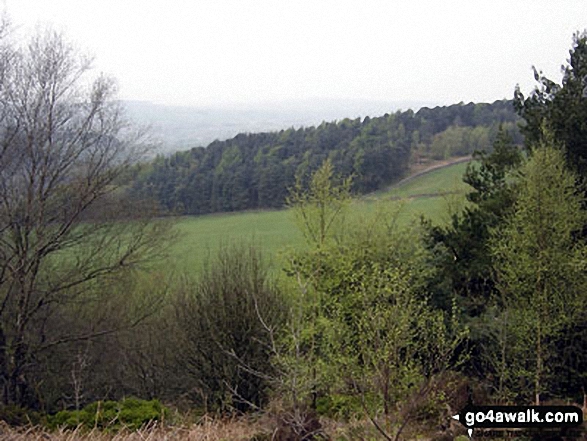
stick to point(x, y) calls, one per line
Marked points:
point(182, 127)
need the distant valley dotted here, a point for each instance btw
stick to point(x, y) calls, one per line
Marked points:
point(184, 127)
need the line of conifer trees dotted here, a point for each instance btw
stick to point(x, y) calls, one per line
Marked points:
point(253, 171)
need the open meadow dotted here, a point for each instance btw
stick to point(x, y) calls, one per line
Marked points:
point(433, 195)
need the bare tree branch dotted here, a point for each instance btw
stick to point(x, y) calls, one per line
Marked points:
point(63, 148)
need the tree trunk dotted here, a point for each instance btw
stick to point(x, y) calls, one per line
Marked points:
point(538, 363)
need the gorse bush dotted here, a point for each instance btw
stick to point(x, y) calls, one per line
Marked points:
point(130, 413)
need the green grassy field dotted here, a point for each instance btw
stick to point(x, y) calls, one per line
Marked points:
point(444, 180)
point(432, 195)
point(200, 236)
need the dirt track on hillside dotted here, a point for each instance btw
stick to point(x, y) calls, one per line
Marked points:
point(436, 166)
point(420, 171)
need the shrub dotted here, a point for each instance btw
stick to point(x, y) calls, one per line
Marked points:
point(339, 406)
point(19, 416)
point(129, 413)
point(225, 320)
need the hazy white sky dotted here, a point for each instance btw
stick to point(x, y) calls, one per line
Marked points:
point(205, 52)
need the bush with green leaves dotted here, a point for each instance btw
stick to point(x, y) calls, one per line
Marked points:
point(366, 328)
point(130, 413)
point(339, 406)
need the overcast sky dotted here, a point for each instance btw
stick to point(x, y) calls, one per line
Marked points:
point(206, 52)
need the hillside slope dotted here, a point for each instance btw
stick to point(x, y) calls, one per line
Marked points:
point(252, 171)
point(275, 230)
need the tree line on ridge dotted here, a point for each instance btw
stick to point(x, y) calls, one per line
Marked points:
point(255, 170)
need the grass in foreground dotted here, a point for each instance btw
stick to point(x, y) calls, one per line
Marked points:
point(207, 430)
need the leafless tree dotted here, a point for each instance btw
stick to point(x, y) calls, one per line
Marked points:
point(64, 224)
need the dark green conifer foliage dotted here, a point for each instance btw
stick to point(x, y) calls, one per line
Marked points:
point(562, 107)
point(256, 170)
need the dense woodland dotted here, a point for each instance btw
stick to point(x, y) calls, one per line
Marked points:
point(256, 170)
point(391, 329)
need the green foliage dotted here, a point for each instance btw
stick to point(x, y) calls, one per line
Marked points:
point(320, 210)
point(490, 178)
point(339, 406)
point(540, 264)
point(561, 107)
point(255, 170)
point(130, 413)
point(367, 329)
point(460, 250)
point(460, 141)
point(383, 338)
